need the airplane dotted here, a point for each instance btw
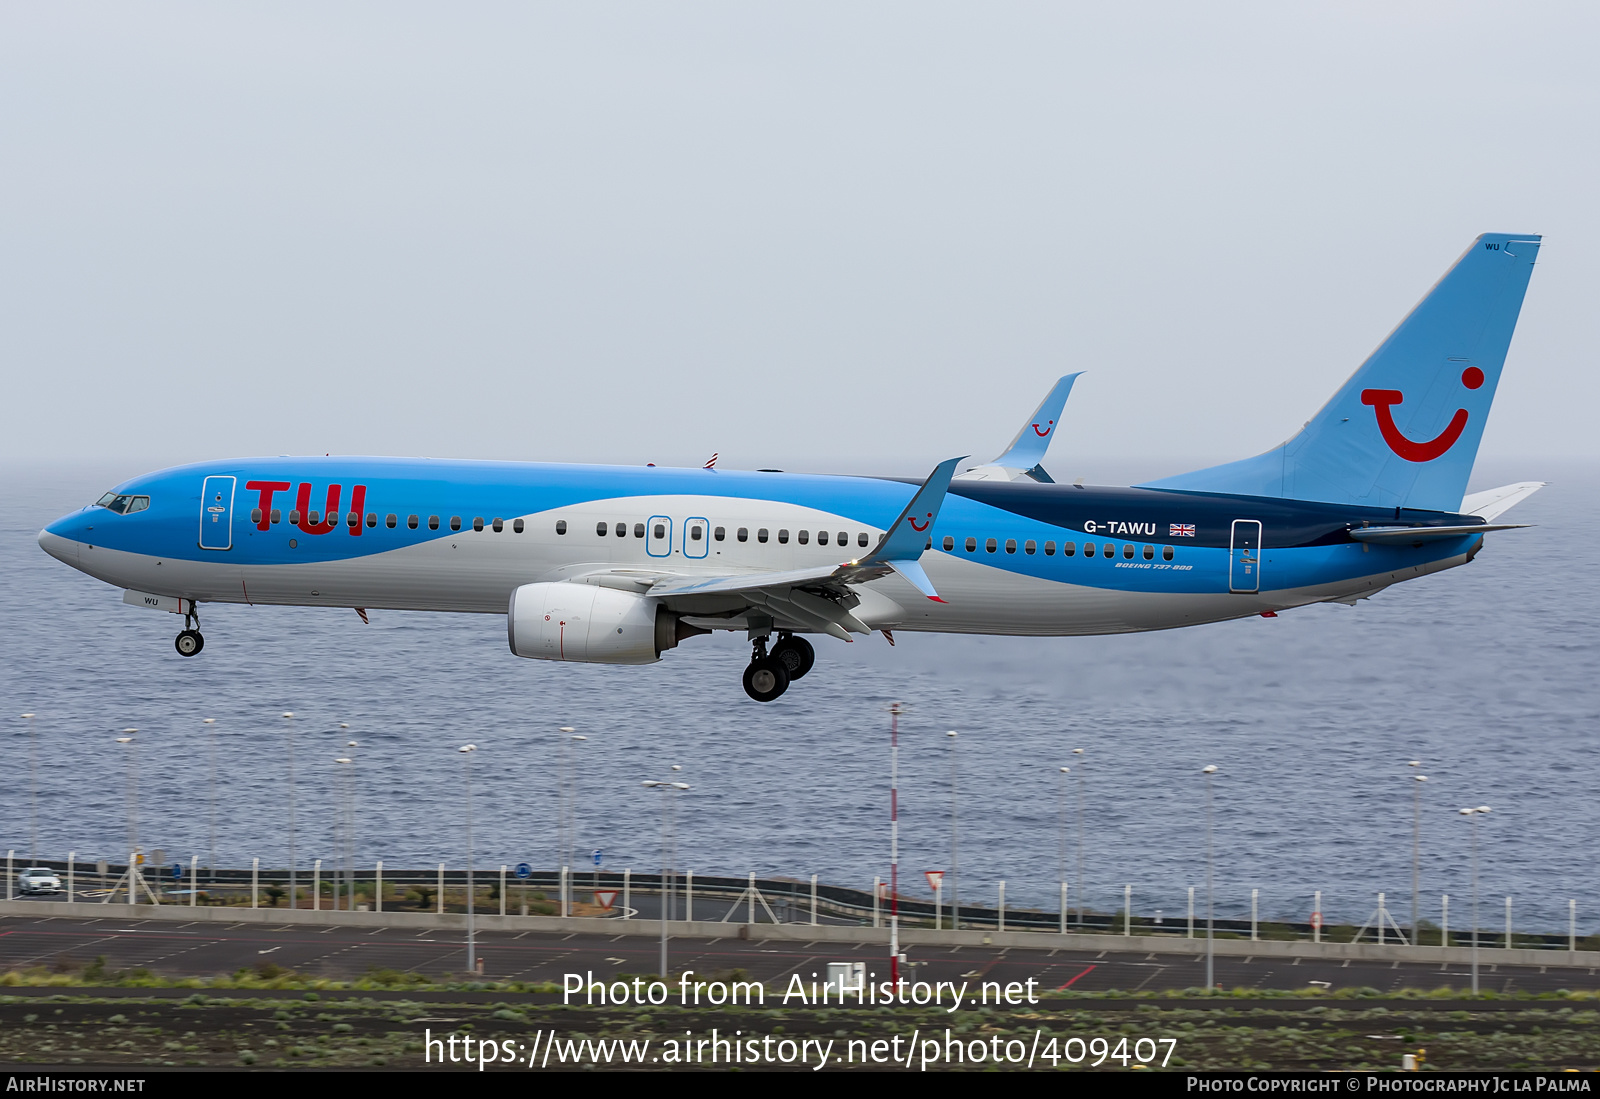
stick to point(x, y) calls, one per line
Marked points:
point(618, 565)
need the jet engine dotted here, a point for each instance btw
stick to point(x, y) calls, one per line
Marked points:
point(595, 625)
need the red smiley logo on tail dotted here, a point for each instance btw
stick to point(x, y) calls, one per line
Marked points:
point(924, 525)
point(1051, 426)
point(1383, 400)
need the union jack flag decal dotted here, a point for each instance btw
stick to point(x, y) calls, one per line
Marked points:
point(1181, 530)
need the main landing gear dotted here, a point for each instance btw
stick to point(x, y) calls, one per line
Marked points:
point(770, 674)
point(190, 641)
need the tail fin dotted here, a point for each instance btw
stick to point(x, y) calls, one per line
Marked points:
point(1404, 430)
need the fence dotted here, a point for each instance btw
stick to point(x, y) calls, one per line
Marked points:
point(713, 897)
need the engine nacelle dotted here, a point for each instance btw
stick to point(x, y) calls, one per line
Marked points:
point(583, 622)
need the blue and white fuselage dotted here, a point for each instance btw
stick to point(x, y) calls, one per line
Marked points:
point(619, 564)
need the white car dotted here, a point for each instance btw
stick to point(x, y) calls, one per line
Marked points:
point(38, 879)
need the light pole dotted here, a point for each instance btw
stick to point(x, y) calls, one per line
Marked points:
point(669, 791)
point(348, 819)
point(33, 793)
point(211, 784)
point(288, 715)
point(895, 710)
point(955, 864)
point(131, 771)
point(566, 825)
point(1081, 891)
point(1416, 848)
point(1473, 815)
point(346, 824)
point(466, 751)
point(1061, 840)
point(1208, 770)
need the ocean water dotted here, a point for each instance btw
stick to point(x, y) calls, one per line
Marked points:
point(1488, 674)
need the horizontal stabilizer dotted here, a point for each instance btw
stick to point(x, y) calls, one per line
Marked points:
point(1410, 536)
point(1496, 501)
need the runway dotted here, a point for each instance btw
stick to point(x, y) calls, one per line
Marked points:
point(174, 948)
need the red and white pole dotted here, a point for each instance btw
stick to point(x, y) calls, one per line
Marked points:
point(894, 844)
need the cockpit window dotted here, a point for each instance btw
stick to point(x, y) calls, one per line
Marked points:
point(122, 505)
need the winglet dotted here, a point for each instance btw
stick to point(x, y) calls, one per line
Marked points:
point(907, 536)
point(1033, 439)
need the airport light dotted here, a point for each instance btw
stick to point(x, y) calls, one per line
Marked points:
point(33, 793)
point(566, 814)
point(1416, 848)
point(955, 865)
point(288, 715)
point(1061, 840)
point(130, 761)
point(1208, 770)
point(347, 821)
point(1473, 815)
point(669, 792)
point(211, 784)
point(1081, 892)
point(466, 751)
point(895, 710)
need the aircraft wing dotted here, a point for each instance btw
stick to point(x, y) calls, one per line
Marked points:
point(821, 596)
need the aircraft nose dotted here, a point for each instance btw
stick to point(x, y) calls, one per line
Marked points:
point(62, 539)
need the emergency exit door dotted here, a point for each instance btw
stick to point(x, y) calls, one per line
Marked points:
point(1244, 556)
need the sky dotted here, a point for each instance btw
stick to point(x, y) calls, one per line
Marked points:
point(840, 237)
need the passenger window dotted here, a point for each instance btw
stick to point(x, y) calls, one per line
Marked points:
point(561, 526)
point(1050, 549)
point(822, 537)
point(696, 533)
point(844, 538)
point(1029, 546)
point(411, 521)
point(1127, 551)
point(783, 536)
point(660, 531)
point(1011, 545)
point(277, 516)
point(1088, 549)
point(255, 515)
point(802, 537)
point(1149, 553)
point(743, 534)
point(352, 519)
point(991, 545)
point(972, 545)
point(1108, 550)
point(600, 529)
point(720, 534)
point(761, 535)
point(949, 543)
point(314, 518)
point(861, 539)
point(391, 521)
point(516, 525)
point(638, 530)
point(433, 522)
point(930, 542)
point(622, 530)
point(1166, 553)
point(372, 518)
point(455, 522)
point(294, 517)
point(477, 524)
point(499, 524)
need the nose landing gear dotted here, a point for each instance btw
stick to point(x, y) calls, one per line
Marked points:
point(190, 641)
